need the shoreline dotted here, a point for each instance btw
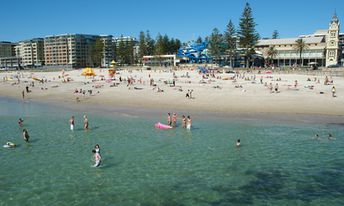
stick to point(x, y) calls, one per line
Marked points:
point(160, 114)
point(212, 96)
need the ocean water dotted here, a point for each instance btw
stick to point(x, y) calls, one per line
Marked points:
point(278, 163)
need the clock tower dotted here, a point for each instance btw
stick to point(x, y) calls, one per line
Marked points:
point(332, 42)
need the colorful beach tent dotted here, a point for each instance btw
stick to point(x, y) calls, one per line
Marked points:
point(88, 72)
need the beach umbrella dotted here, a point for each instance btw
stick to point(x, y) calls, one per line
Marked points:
point(88, 72)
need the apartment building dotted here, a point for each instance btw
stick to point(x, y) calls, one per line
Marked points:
point(7, 49)
point(108, 50)
point(8, 57)
point(31, 52)
point(73, 50)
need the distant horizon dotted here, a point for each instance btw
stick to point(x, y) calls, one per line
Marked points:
point(181, 20)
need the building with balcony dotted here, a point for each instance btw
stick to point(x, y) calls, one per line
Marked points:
point(72, 50)
point(31, 52)
point(8, 59)
point(108, 50)
point(7, 49)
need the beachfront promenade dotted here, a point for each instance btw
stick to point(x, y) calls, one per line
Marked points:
point(243, 92)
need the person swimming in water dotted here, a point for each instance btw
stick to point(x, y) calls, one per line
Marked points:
point(316, 136)
point(238, 143)
point(26, 135)
point(20, 122)
point(330, 137)
point(97, 158)
point(71, 122)
point(97, 148)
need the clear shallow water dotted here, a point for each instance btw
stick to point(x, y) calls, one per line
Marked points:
point(278, 163)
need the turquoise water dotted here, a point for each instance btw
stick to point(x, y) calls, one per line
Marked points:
point(278, 163)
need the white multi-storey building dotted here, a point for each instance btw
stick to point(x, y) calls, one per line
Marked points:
point(31, 52)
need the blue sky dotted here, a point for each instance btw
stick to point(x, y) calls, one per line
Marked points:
point(183, 19)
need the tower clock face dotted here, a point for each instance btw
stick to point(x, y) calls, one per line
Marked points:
point(332, 43)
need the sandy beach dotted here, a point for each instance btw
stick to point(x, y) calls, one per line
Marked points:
point(244, 92)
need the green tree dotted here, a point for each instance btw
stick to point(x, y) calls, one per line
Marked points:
point(199, 40)
point(275, 34)
point(97, 52)
point(300, 46)
point(121, 51)
point(271, 53)
point(150, 43)
point(215, 44)
point(247, 33)
point(142, 45)
point(231, 41)
point(176, 46)
point(129, 52)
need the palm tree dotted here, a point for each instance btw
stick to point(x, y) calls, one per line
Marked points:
point(271, 53)
point(300, 47)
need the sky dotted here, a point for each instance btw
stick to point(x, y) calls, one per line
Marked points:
point(182, 19)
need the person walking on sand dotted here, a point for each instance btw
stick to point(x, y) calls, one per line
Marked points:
point(85, 122)
point(26, 135)
point(188, 123)
point(174, 120)
point(23, 94)
point(71, 122)
point(169, 122)
point(333, 91)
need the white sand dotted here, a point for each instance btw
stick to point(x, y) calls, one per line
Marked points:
point(251, 98)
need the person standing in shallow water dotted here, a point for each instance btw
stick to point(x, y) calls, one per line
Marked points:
point(97, 158)
point(26, 135)
point(174, 120)
point(188, 123)
point(183, 121)
point(85, 122)
point(71, 122)
point(169, 122)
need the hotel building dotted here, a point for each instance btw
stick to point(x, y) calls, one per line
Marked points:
point(322, 48)
point(31, 52)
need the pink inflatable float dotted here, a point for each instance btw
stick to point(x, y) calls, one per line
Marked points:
point(162, 126)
